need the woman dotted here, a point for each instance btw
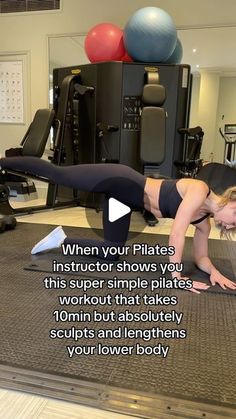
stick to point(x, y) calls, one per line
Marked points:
point(187, 201)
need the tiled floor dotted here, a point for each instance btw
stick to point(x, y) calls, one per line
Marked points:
point(81, 217)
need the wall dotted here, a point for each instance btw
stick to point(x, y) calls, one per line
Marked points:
point(204, 105)
point(207, 111)
point(213, 105)
point(226, 113)
point(194, 117)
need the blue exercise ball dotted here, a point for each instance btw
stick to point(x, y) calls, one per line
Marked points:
point(150, 35)
point(177, 54)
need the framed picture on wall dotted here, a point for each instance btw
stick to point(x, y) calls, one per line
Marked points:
point(11, 92)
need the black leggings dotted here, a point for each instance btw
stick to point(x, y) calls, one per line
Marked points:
point(114, 180)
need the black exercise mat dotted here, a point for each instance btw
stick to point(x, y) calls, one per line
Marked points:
point(201, 367)
point(44, 262)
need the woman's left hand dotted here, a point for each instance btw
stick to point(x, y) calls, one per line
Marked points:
point(217, 278)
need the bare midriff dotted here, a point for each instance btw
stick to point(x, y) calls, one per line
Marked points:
point(151, 196)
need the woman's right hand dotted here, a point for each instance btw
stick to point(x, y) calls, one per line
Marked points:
point(198, 286)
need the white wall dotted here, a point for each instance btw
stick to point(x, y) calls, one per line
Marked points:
point(226, 113)
point(204, 105)
point(207, 111)
point(213, 105)
point(194, 114)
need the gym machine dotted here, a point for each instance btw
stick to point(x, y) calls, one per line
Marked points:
point(106, 123)
point(191, 163)
point(33, 144)
point(229, 137)
point(117, 112)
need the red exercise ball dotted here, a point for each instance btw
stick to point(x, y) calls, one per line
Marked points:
point(104, 42)
point(126, 58)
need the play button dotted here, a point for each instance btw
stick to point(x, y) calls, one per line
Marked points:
point(116, 210)
point(111, 211)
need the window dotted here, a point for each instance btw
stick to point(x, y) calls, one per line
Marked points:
point(17, 6)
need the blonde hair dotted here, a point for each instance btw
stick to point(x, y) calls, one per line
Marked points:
point(229, 195)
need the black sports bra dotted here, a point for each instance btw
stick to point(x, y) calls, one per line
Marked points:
point(170, 200)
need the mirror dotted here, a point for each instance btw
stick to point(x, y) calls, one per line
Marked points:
point(210, 52)
point(65, 51)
